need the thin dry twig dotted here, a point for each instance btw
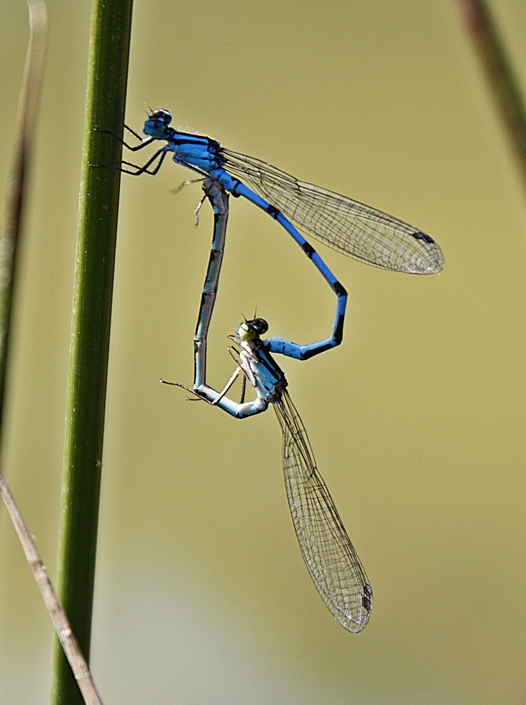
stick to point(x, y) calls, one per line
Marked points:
point(58, 616)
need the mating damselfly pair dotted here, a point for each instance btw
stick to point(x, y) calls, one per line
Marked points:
point(343, 224)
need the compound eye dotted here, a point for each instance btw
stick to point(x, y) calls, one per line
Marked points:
point(259, 325)
point(162, 115)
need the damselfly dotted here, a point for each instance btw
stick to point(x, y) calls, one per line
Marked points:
point(340, 222)
point(328, 553)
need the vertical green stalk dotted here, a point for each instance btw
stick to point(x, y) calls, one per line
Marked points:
point(90, 334)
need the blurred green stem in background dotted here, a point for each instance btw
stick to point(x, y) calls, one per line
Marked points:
point(500, 75)
point(17, 186)
point(90, 332)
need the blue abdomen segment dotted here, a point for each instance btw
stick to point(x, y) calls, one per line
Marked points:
point(299, 352)
point(205, 156)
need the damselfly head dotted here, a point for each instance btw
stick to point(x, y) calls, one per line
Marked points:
point(250, 330)
point(157, 122)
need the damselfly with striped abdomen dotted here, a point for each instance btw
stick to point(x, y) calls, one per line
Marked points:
point(342, 223)
point(329, 555)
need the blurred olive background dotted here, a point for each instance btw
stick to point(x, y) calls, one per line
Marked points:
point(417, 420)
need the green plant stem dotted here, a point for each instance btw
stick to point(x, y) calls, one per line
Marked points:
point(17, 191)
point(90, 335)
point(500, 75)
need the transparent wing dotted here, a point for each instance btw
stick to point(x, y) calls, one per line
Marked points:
point(345, 225)
point(327, 550)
